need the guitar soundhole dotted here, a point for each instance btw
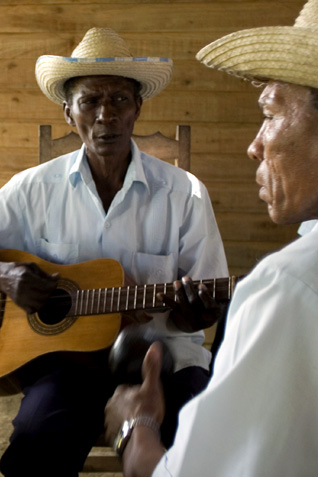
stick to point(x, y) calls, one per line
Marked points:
point(56, 307)
point(53, 317)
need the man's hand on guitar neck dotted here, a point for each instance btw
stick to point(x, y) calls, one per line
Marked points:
point(26, 284)
point(193, 308)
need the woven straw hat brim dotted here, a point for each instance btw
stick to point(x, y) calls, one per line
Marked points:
point(286, 54)
point(53, 71)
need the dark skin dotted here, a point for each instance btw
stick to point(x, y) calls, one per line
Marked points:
point(104, 110)
point(194, 308)
point(131, 401)
point(26, 284)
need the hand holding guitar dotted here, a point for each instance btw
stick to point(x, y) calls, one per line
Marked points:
point(194, 308)
point(69, 310)
point(26, 284)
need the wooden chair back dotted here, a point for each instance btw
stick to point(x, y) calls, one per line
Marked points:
point(175, 150)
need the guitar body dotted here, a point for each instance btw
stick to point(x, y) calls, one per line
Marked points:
point(24, 338)
point(77, 318)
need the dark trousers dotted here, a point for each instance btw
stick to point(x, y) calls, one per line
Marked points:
point(62, 414)
point(60, 417)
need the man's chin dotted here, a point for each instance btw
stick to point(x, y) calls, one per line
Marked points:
point(276, 216)
point(282, 218)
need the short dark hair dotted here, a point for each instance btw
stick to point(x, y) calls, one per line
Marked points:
point(70, 84)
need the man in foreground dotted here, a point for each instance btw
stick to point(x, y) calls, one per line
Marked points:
point(107, 200)
point(258, 415)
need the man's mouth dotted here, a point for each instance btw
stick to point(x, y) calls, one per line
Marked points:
point(262, 191)
point(108, 137)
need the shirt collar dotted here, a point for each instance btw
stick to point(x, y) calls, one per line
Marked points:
point(135, 172)
point(307, 227)
point(80, 170)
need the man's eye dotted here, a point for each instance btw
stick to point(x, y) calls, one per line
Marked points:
point(90, 101)
point(120, 98)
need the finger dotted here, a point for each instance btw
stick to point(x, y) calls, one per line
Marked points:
point(50, 277)
point(189, 289)
point(46, 278)
point(151, 392)
point(167, 301)
point(179, 293)
point(205, 297)
point(120, 389)
point(151, 367)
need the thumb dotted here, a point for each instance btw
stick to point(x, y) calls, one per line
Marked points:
point(151, 388)
point(151, 367)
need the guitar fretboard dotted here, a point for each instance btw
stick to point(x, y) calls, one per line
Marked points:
point(132, 298)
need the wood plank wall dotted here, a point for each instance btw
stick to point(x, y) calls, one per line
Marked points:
point(221, 110)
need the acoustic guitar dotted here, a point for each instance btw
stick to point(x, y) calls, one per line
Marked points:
point(76, 317)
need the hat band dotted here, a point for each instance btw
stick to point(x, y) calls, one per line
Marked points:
point(122, 59)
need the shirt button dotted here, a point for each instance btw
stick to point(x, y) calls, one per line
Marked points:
point(107, 225)
point(158, 273)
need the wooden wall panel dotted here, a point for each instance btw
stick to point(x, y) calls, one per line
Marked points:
point(221, 110)
point(154, 16)
point(14, 104)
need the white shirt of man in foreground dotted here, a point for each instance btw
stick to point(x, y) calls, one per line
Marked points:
point(258, 416)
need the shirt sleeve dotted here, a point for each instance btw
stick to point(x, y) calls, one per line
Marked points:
point(258, 416)
point(202, 253)
point(11, 217)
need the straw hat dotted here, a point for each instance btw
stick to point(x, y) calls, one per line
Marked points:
point(284, 53)
point(101, 52)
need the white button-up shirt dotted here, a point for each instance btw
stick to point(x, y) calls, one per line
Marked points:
point(258, 416)
point(160, 226)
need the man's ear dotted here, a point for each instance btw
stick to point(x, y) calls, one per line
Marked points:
point(68, 114)
point(139, 102)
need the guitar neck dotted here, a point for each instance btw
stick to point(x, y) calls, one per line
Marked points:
point(144, 297)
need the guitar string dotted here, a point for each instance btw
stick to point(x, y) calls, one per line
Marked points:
point(220, 285)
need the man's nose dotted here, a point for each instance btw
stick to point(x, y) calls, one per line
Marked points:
point(256, 149)
point(106, 112)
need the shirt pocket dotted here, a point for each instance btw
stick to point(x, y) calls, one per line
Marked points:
point(63, 253)
point(148, 268)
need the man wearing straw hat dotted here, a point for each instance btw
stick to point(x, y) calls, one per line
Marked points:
point(258, 417)
point(106, 200)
